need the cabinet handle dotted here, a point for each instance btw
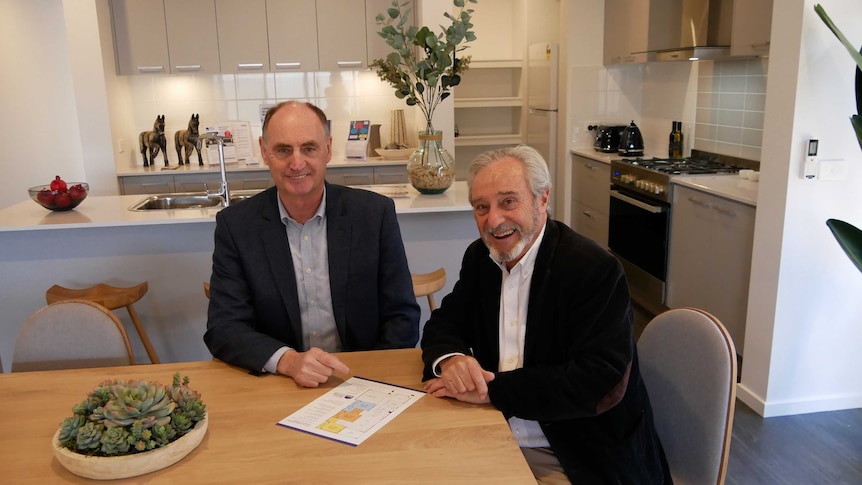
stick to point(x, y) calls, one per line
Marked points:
point(288, 65)
point(727, 212)
point(699, 202)
point(190, 67)
point(349, 63)
point(587, 214)
point(151, 68)
point(589, 167)
point(249, 67)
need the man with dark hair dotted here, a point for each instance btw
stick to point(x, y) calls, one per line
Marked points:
point(540, 325)
point(306, 269)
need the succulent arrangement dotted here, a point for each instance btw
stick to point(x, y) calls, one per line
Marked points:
point(423, 80)
point(123, 417)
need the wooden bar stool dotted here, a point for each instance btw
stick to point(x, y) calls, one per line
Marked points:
point(110, 297)
point(427, 284)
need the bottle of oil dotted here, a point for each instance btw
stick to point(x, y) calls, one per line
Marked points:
point(670, 140)
point(676, 143)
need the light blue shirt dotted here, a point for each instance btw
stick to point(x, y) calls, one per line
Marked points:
point(309, 251)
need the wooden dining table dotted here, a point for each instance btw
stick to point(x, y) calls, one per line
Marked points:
point(436, 440)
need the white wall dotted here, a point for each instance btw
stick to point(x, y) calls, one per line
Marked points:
point(803, 327)
point(39, 118)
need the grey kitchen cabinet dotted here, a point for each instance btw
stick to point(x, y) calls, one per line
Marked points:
point(193, 182)
point(341, 34)
point(395, 174)
point(591, 182)
point(292, 32)
point(165, 36)
point(388, 174)
point(245, 36)
point(140, 36)
point(192, 36)
point(626, 31)
point(243, 44)
point(197, 182)
point(709, 261)
point(147, 184)
point(752, 28)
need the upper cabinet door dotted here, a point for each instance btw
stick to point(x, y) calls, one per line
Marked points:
point(341, 34)
point(292, 28)
point(626, 31)
point(242, 38)
point(752, 28)
point(140, 37)
point(192, 36)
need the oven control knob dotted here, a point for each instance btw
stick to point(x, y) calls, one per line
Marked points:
point(659, 189)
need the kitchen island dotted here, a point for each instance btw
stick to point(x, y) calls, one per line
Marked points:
point(102, 241)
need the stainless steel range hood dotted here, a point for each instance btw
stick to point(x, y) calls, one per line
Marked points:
point(696, 30)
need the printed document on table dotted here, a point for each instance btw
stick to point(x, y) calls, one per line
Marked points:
point(353, 411)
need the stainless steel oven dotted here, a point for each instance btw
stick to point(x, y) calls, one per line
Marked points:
point(640, 217)
point(638, 230)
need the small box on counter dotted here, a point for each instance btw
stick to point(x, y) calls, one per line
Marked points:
point(357, 140)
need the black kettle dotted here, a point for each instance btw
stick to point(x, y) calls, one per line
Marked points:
point(631, 141)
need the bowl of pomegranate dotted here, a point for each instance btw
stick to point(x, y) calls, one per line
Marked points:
point(59, 195)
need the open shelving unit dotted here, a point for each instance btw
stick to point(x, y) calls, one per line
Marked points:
point(489, 107)
point(489, 103)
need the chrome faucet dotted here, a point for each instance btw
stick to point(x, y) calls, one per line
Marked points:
point(223, 190)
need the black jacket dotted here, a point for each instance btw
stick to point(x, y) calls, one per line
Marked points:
point(580, 378)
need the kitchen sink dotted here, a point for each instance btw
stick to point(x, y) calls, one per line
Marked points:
point(188, 201)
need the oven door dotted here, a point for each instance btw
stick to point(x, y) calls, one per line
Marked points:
point(637, 235)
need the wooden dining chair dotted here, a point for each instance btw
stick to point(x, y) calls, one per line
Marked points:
point(71, 334)
point(426, 284)
point(688, 363)
point(110, 297)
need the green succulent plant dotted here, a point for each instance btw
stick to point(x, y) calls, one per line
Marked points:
point(424, 80)
point(121, 417)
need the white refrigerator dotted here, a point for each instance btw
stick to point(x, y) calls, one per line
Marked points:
point(542, 80)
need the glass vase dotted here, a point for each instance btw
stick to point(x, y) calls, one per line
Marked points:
point(431, 170)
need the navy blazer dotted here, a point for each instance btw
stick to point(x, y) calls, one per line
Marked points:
point(580, 379)
point(254, 308)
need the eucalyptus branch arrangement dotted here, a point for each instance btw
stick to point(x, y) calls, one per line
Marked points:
point(126, 417)
point(424, 66)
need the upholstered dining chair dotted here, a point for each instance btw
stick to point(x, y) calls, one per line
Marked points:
point(71, 334)
point(426, 284)
point(688, 363)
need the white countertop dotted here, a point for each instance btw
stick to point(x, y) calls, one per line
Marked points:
point(174, 169)
point(112, 211)
point(732, 187)
point(591, 153)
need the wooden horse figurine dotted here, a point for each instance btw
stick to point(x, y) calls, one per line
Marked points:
point(189, 140)
point(154, 141)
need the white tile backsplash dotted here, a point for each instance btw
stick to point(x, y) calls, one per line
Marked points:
point(343, 95)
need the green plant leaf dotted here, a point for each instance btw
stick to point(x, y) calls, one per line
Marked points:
point(856, 120)
point(849, 237)
point(835, 30)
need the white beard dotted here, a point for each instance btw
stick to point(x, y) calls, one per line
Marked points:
point(512, 254)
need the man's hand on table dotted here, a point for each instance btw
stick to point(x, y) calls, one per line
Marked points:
point(461, 378)
point(310, 368)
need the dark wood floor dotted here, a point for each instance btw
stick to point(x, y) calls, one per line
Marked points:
point(817, 448)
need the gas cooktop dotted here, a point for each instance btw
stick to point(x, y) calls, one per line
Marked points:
point(683, 166)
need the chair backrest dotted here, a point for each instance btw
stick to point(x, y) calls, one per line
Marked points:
point(426, 284)
point(71, 334)
point(688, 363)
